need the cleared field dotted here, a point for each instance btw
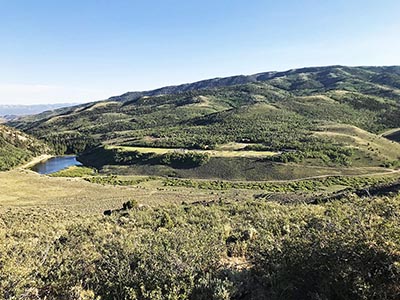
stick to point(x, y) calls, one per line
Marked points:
point(213, 153)
point(233, 146)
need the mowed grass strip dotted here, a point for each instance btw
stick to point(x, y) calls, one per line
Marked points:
point(212, 153)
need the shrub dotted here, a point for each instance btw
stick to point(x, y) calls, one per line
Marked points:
point(130, 204)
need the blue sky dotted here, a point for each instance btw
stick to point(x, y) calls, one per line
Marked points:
point(85, 50)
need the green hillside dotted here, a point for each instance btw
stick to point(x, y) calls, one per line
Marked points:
point(17, 147)
point(283, 112)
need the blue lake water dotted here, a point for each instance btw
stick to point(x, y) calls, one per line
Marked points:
point(56, 164)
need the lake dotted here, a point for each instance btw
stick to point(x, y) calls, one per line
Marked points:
point(56, 164)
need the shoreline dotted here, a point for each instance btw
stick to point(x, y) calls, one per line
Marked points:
point(36, 160)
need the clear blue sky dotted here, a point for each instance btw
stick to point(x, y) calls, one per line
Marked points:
point(84, 50)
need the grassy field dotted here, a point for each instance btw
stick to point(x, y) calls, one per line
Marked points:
point(27, 189)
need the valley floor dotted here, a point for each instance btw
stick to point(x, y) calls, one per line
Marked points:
point(24, 188)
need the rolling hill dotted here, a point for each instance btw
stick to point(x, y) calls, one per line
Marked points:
point(17, 147)
point(296, 113)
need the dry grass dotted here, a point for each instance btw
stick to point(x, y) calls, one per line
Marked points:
point(101, 104)
point(233, 146)
point(27, 189)
point(212, 153)
point(316, 98)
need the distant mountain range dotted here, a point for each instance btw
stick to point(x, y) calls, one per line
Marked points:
point(386, 75)
point(10, 112)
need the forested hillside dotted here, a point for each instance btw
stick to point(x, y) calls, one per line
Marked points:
point(321, 114)
point(17, 148)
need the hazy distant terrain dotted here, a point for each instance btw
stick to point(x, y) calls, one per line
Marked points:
point(9, 111)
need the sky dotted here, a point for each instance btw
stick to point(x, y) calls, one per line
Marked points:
point(85, 50)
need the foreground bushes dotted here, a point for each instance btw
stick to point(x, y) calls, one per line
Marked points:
point(254, 250)
point(343, 255)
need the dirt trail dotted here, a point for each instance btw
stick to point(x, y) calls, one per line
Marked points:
point(326, 176)
point(387, 172)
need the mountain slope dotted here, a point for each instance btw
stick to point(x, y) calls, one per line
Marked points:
point(17, 147)
point(273, 111)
